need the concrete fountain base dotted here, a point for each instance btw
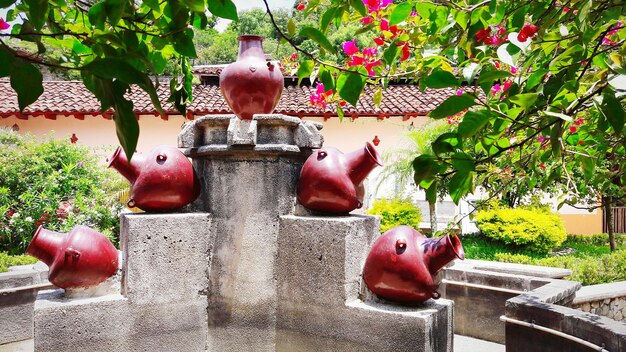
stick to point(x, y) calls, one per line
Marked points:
point(243, 273)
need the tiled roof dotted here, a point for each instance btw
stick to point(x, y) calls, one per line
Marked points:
point(72, 98)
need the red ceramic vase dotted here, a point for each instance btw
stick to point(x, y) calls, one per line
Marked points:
point(81, 258)
point(402, 264)
point(330, 181)
point(163, 180)
point(251, 85)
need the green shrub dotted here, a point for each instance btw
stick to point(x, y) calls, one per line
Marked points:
point(395, 212)
point(56, 184)
point(7, 260)
point(600, 239)
point(513, 258)
point(533, 228)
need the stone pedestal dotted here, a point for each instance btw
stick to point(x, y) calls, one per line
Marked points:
point(163, 306)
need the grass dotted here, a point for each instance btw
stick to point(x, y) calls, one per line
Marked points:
point(7, 260)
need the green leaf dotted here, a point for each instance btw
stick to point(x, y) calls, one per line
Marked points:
point(390, 54)
point(328, 16)
point(474, 121)
point(424, 167)
point(462, 18)
point(489, 76)
point(115, 9)
point(587, 165)
point(536, 78)
point(291, 27)
point(224, 9)
point(431, 192)
point(460, 185)
point(462, 162)
point(566, 55)
point(453, 105)
point(6, 3)
point(126, 125)
point(152, 4)
point(350, 85)
point(441, 79)
point(195, 5)
point(305, 70)
point(340, 113)
point(27, 81)
point(111, 68)
point(183, 43)
point(559, 115)
point(318, 37)
point(6, 60)
point(378, 97)
point(359, 7)
point(613, 110)
point(327, 78)
point(37, 10)
point(446, 143)
point(525, 100)
point(400, 13)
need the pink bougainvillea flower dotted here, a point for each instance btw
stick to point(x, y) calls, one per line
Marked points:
point(319, 98)
point(414, 13)
point(350, 48)
point(514, 69)
point(294, 56)
point(376, 5)
point(356, 60)
point(617, 27)
point(370, 67)
point(384, 25)
point(528, 31)
point(300, 7)
point(3, 24)
point(379, 40)
point(371, 51)
point(405, 52)
point(608, 41)
point(542, 165)
point(496, 89)
point(482, 34)
point(74, 139)
point(459, 92)
point(366, 20)
point(566, 9)
point(573, 129)
point(540, 139)
point(579, 122)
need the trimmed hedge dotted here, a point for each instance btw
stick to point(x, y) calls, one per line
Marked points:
point(532, 228)
point(586, 270)
point(7, 260)
point(395, 212)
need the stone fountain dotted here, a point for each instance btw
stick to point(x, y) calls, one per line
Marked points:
point(244, 267)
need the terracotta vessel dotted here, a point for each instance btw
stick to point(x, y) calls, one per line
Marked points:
point(330, 181)
point(251, 85)
point(163, 180)
point(402, 264)
point(81, 258)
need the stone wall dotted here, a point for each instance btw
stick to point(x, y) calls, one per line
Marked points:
point(608, 300)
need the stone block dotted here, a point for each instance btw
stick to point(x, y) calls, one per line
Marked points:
point(321, 258)
point(209, 129)
point(241, 132)
point(308, 135)
point(369, 326)
point(167, 256)
point(16, 322)
point(112, 324)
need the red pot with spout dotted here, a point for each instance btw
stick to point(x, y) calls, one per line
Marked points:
point(330, 181)
point(402, 264)
point(162, 180)
point(81, 258)
point(251, 85)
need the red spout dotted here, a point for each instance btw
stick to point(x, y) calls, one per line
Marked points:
point(361, 162)
point(440, 251)
point(130, 170)
point(45, 245)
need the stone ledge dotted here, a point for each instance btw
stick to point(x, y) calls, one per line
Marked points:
point(600, 292)
point(518, 269)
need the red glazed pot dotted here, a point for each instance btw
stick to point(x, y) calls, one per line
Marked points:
point(330, 180)
point(81, 258)
point(251, 85)
point(402, 264)
point(163, 180)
